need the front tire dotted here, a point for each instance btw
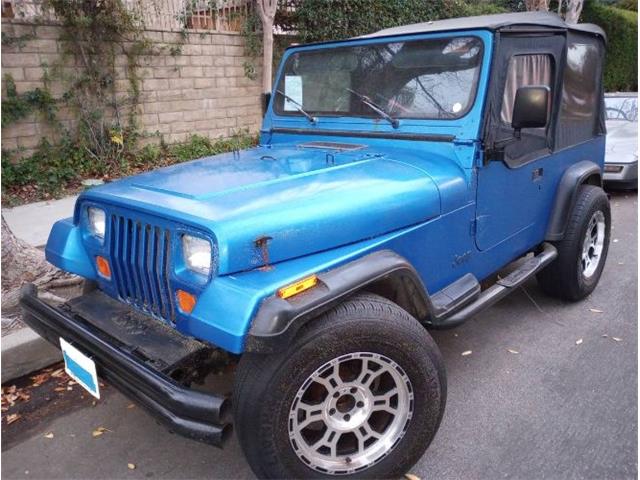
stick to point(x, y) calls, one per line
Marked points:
point(359, 393)
point(582, 252)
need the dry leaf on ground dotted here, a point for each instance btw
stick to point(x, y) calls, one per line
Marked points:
point(411, 476)
point(12, 418)
point(617, 339)
point(99, 431)
point(131, 466)
point(579, 341)
point(48, 435)
point(595, 310)
point(511, 350)
point(466, 352)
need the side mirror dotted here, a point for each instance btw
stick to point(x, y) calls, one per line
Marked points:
point(531, 107)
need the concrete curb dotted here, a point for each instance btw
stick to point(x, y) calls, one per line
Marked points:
point(24, 351)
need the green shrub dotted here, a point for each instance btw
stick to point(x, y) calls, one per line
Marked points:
point(317, 20)
point(55, 169)
point(621, 27)
point(628, 4)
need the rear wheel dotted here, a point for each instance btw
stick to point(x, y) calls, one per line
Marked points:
point(583, 250)
point(359, 393)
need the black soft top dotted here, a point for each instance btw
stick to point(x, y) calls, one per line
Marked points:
point(501, 21)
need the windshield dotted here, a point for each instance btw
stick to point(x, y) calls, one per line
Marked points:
point(421, 79)
point(622, 108)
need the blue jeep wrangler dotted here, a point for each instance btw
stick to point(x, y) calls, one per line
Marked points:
point(395, 173)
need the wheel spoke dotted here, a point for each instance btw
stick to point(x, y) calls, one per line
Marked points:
point(313, 414)
point(383, 402)
point(364, 433)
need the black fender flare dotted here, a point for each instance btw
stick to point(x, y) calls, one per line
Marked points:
point(383, 272)
point(577, 174)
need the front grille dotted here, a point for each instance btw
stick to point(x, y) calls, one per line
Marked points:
point(141, 255)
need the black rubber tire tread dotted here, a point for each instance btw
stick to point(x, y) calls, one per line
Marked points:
point(265, 385)
point(563, 278)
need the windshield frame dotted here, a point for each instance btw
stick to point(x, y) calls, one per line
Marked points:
point(326, 117)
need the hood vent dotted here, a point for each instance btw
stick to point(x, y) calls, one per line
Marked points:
point(343, 147)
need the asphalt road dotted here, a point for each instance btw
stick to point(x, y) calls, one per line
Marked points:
point(554, 410)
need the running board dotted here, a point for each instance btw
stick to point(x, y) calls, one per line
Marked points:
point(499, 290)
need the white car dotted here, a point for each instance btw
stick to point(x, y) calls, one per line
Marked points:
point(621, 157)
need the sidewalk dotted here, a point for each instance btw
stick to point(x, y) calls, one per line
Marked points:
point(32, 222)
point(23, 351)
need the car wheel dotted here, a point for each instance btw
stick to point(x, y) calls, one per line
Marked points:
point(359, 393)
point(582, 252)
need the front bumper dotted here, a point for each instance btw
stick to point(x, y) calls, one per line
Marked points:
point(137, 355)
point(625, 174)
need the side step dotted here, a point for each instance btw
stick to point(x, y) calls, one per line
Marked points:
point(499, 290)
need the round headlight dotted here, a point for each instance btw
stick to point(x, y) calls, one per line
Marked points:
point(197, 254)
point(97, 221)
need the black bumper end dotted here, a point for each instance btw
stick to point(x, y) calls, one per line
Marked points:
point(194, 414)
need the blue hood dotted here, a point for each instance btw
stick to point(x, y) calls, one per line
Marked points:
point(304, 199)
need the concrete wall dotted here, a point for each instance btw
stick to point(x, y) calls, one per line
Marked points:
point(202, 90)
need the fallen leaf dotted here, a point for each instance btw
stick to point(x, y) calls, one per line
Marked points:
point(620, 263)
point(48, 435)
point(617, 339)
point(58, 373)
point(595, 310)
point(131, 466)
point(59, 389)
point(411, 476)
point(131, 405)
point(466, 352)
point(615, 240)
point(511, 350)
point(579, 341)
point(99, 431)
point(12, 418)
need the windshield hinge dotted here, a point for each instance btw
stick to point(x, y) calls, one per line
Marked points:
point(463, 141)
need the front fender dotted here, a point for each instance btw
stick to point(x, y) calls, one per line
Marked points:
point(278, 320)
point(65, 250)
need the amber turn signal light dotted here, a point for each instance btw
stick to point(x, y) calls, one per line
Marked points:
point(298, 287)
point(103, 267)
point(186, 301)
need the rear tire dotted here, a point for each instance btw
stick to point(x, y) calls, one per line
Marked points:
point(365, 369)
point(582, 252)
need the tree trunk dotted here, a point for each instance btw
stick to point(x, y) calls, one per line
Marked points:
point(574, 9)
point(267, 58)
point(267, 12)
point(22, 263)
point(537, 5)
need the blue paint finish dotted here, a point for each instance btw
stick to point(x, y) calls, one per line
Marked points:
point(431, 202)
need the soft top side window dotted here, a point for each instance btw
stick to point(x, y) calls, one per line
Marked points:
point(581, 107)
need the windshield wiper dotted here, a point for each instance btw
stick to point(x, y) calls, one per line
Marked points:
point(312, 119)
point(376, 108)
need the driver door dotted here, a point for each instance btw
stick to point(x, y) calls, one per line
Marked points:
point(511, 192)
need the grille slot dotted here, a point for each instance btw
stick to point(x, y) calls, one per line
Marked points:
point(141, 255)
